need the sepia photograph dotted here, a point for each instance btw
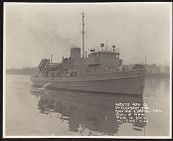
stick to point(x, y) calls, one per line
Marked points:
point(84, 70)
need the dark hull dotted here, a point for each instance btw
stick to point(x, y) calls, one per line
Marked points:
point(129, 82)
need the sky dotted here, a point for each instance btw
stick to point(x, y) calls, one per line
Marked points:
point(35, 31)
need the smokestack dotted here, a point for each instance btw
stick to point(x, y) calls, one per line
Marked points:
point(75, 53)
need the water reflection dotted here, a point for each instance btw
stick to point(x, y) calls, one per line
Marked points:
point(84, 111)
point(155, 83)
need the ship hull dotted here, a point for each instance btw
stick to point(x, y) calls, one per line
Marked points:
point(127, 82)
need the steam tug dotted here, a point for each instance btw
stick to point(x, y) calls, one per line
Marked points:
point(99, 71)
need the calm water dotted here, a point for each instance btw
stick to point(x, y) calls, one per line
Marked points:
point(45, 112)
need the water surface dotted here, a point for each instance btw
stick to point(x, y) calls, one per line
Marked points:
point(34, 111)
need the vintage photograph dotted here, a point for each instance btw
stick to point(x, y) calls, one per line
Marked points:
point(84, 70)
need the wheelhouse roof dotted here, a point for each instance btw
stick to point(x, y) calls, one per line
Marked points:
point(104, 53)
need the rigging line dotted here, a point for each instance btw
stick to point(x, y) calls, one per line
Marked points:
point(93, 39)
point(74, 42)
point(90, 43)
point(77, 36)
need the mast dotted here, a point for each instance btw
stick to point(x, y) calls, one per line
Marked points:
point(83, 39)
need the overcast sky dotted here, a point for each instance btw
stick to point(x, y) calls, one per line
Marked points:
point(35, 31)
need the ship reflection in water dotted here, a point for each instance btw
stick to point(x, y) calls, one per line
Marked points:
point(88, 113)
point(32, 111)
